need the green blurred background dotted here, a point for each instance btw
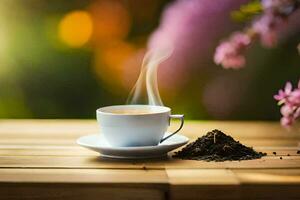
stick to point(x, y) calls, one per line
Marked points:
point(65, 59)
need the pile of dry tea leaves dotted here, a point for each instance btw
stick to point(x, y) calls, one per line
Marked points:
point(217, 146)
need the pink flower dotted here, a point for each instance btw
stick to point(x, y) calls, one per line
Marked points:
point(268, 25)
point(286, 121)
point(290, 100)
point(269, 39)
point(282, 94)
point(230, 53)
point(294, 98)
point(192, 27)
point(297, 113)
point(286, 110)
point(266, 28)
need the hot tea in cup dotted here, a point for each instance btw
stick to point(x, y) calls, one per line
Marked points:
point(135, 125)
point(131, 111)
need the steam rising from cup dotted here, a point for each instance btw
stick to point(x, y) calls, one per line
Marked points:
point(146, 89)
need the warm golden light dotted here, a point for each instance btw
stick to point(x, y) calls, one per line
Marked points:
point(110, 63)
point(75, 29)
point(112, 21)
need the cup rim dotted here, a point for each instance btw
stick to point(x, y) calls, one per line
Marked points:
point(160, 109)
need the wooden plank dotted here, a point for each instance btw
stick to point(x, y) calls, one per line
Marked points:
point(205, 192)
point(66, 162)
point(267, 162)
point(76, 150)
point(271, 191)
point(57, 191)
point(201, 177)
point(38, 142)
point(82, 184)
point(268, 176)
point(42, 128)
point(274, 184)
point(39, 159)
point(65, 132)
point(239, 184)
point(45, 150)
point(72, 142)
point(193, 129)
point(100, 163)
point(108, 177)
point(202, 184)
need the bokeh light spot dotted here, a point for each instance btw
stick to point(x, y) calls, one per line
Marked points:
point(75, 28)
point(110, 64)
point(112, 21)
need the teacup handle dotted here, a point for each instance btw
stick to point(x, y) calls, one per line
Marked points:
point(181, 117)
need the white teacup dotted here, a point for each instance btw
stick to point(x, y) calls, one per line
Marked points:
point(135, 125)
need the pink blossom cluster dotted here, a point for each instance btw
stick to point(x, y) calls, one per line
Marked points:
point(265, 27)
point(275, 13)
point(230, 53)
point(191, 27)
point(289, 98)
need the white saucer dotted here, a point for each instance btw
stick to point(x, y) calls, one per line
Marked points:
point(97, 143)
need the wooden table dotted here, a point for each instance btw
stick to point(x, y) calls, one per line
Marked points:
point(39, 159)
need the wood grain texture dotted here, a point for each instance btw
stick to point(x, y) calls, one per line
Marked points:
point(59, 191)
point(39, 159)
point(95, 162)
point(268, 176)
point(234, 184)
point(201, 177)
point(269, 191)
point(140, 178)
point(56, 150)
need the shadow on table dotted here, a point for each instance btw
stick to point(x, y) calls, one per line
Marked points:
point(134, 163)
